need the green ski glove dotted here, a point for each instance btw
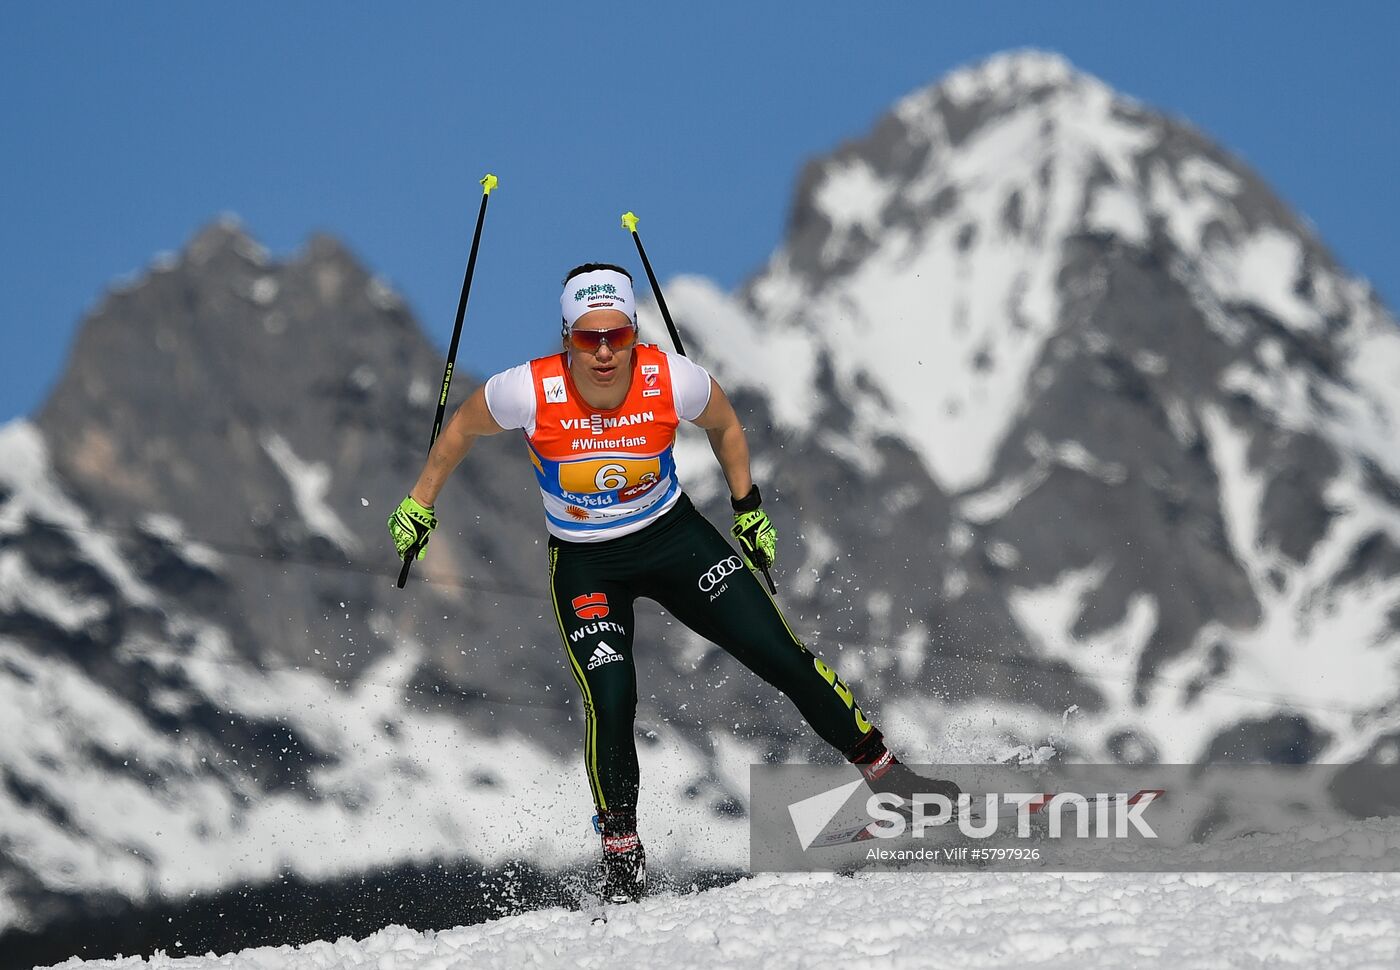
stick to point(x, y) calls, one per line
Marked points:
point(754, 531)
point(411, 524)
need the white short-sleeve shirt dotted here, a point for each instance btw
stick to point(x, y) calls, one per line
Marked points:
point(510, 395)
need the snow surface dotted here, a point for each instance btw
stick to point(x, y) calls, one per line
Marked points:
point(957, 918)
point(853, 196)
point(1008, 71)
point(172, 532)
point(1262, 270)
point(36, 495)
point(1118, 212)
point(23, 590)
point(310, 482)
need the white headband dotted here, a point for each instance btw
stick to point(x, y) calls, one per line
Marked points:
point(602, 289)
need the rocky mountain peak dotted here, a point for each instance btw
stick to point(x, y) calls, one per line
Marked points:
point(1029, 111)
point(205, 358)
point(224, 237)
point(326, 249)
point(1005, 80)
point(930, 256)
point(224, 298)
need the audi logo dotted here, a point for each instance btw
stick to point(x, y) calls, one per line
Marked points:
point(718, 571)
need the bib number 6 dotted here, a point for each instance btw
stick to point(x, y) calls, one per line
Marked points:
point(611, 477)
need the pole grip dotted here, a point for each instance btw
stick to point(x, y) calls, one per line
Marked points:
point(768, 576)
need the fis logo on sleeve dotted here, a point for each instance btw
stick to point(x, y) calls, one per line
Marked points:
point(554, 392)
point(590, 606)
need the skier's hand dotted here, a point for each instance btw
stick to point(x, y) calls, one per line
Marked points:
point(411, 524)
point(757, 538)
point(754, 531)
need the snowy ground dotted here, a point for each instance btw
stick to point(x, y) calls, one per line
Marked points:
point(905, 919)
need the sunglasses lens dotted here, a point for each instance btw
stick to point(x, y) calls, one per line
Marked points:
point(585, 339)
point(619, 338)
point(622, 337)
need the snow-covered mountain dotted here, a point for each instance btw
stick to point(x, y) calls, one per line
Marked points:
point(1077, 439)
point(1156, 424)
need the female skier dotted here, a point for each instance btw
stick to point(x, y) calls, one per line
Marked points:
point(600, 420)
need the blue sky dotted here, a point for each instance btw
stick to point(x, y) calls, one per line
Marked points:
point(128, 126)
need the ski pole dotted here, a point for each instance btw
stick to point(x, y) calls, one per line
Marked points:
point(487, 184)
point(629, 222)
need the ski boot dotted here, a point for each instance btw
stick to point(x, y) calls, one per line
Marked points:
point(624, 874)
point(885, 773)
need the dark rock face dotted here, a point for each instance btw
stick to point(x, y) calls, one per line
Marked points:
point(215, 389)
point(1280, 739)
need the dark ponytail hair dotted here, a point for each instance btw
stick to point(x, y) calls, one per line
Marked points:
point(590, 267)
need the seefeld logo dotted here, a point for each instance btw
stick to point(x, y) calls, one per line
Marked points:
point(716, 573)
